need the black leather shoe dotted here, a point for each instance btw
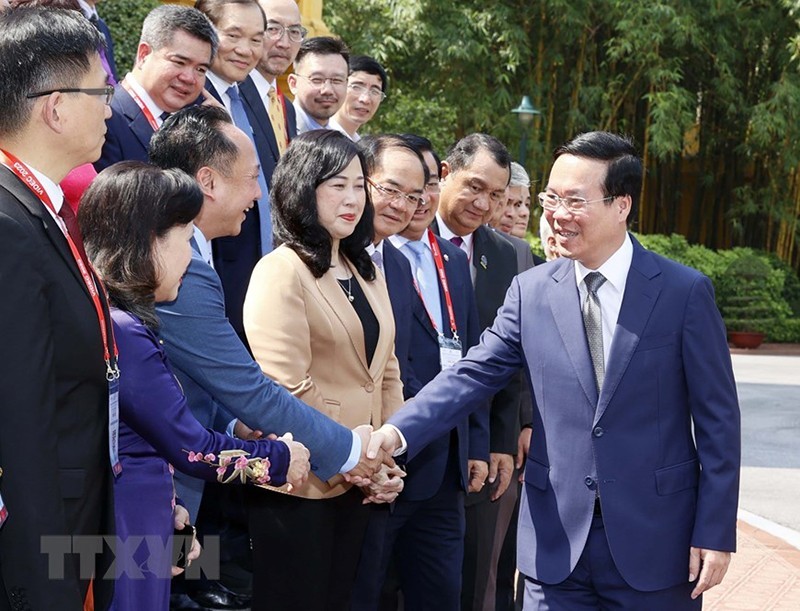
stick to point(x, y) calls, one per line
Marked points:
point(220, 598)
point(181, 602)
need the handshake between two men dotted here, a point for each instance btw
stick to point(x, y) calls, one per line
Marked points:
point(376, 472)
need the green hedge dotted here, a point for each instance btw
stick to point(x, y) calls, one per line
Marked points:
point(124, 19)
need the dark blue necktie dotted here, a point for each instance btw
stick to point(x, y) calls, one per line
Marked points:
point(239, 117)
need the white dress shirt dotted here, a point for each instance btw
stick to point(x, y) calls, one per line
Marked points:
point(615, 270)
point(145, 98)
point(204, 246)
point(466, 245)
point(221, 85)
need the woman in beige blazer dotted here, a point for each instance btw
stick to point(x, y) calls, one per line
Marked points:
point(319, 321)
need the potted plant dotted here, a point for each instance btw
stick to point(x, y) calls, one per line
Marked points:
point(746, 302)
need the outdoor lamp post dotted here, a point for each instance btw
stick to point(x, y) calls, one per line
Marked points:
point(525, 113)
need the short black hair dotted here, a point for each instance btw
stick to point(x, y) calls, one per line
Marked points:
point(463, 152)
point(311, 159)
point(323, 45)
point(192, 138)
point(370, 65)
point(423, 145)
point(373, 147)
point(41, 49)
point(625, 170)
point(160, 25)
point(126, 208)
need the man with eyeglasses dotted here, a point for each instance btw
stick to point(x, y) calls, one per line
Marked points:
point(632, 480)
point(366, 89)
point(276, 118)
point(319, 81)
point(56, 460)
point(176, 47)
point(441, 325)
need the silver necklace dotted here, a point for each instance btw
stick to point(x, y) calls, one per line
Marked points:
point(347, 288)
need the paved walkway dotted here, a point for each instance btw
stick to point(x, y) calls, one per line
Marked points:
point(764, 574)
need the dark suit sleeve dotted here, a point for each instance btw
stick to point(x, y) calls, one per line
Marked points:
point(28, 441)
point(153, 405)
point(465, 387)
point(479, 419)
point(112, 148)
point(715, 414)
point(200, 341)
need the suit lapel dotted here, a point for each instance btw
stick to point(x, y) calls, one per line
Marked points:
point(336, 299)
point(564, 301)
point(641, 293)
point(137, 121)
point(378, 297)
point(51, 228)
point(258, 107)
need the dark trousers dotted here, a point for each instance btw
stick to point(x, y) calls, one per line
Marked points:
point(305, 552)
point(426, 541)
point(481, 516)
point(596, 584)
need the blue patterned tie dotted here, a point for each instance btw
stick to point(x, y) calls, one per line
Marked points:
point(427, 280)
point(241, 121)
point(593, 322)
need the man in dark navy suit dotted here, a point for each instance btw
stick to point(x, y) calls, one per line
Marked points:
point(424, 533)
point(175, 51)
point(89, 10)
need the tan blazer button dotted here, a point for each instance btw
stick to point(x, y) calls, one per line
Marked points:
point(369, 387)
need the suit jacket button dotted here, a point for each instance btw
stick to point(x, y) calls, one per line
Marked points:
point(369, 387)
point(598, 431)
point(589, 481)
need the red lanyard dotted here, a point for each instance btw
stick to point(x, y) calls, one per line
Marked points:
point(437, 260)
point(24, 173)
point(142, 106)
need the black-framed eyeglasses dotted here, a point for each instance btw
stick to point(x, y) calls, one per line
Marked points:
point(319, 81)
point(394, 194)
point(297, 33)
point(575, 205)
point(374, 92)
point(107, 91)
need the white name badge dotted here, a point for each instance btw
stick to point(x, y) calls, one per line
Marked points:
point(113, 425)
point(449, 351)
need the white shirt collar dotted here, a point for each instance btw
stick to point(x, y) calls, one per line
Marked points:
point(145, 97)
point(263, 85)
point(334, 124)
point(398, 241)
point(371, 248)
point(221, 85)
point(615, 269)
point(204, 246)
point(445, 233)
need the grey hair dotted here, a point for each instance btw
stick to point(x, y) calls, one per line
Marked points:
point(162, 22)
point(519, 177)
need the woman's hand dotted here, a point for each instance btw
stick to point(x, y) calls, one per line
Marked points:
point(298, 462)
point(181, 519)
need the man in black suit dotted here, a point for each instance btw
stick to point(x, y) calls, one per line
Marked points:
point(54, 450)
point(175, 50)
point(475, 175)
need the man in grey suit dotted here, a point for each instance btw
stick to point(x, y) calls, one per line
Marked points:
point(214, 368)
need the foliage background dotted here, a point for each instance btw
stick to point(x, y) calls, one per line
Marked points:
point(709, 89)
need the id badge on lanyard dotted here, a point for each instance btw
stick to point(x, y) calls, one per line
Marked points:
point(113, 425)
point(449, 351)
